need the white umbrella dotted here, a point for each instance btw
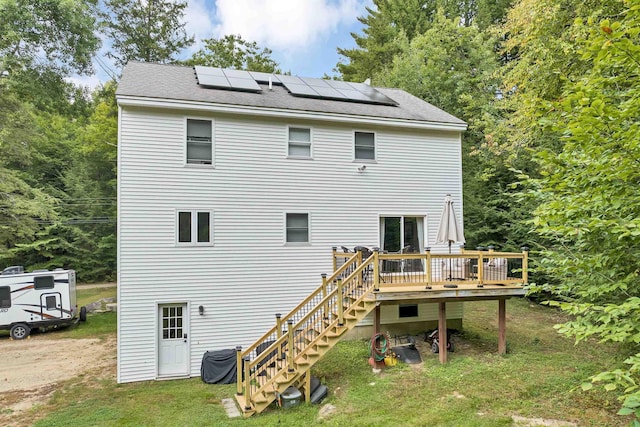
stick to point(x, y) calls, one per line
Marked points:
point(449, 230)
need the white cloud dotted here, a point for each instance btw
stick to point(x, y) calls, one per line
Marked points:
point(285, 24)
point(198, 23)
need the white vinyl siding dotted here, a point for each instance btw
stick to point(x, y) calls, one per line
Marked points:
point(364, 146)
point(299, 142)
point(249, 274)
point(199, 142)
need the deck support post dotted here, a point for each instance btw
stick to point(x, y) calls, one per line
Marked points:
point(442, 331)
point(307, 386)
point(502, 327)
point(239, 370)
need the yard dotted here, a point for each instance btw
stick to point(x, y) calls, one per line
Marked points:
point(538, 378)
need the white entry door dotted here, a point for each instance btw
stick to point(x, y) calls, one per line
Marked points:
point(173, 349)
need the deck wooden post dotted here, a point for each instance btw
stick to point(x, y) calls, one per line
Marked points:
point(376, 320)
point(247, 383)
point(442, 331)
point(376, 269)
point(358, 264)
point(480, 269)
point(335, 260)
point(325, 309)
point(290, 346)
point(428, 265)
point(502, 327)
point(279, 333)
point(340, 303)
point(307, 386)
point(239, 370)
point(525, 264)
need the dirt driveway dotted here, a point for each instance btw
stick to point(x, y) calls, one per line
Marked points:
point(32, 369)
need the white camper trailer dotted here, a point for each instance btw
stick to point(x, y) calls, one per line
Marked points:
point(41, 299)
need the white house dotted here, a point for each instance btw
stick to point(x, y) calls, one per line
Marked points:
point(234, 186)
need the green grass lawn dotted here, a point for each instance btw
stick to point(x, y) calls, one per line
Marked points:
point(539, 377)
point(85, 296)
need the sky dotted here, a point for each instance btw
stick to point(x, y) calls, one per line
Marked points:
point(303, 34)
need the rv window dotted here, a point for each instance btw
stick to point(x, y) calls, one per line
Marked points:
point(5, 297)
point(51, 302)
point(43, 282)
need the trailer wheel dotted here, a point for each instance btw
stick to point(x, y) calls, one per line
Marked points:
point(83, 314)
point(19, 331)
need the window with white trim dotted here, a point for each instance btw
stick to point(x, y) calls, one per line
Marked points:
point(199, 142)
point(195, 227)
point(299, 142)
point(297, 228)
point(365, 146)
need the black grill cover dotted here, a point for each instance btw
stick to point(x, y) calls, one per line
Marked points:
point(219, 367)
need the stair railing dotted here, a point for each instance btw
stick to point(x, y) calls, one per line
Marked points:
point(277, 350)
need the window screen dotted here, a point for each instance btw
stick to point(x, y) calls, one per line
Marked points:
point(297, 228)
point(5, 297)
point(184, 227)
point(365, 148)
point(199, 141)
point(204, 235)
point(43, 282)
point(300, 142)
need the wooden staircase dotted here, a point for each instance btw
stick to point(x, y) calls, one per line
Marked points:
point(285, 354)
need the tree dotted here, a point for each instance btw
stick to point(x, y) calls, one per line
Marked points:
point(232, 51)
point(588, 197)
point(150, 31)
point(61, 31)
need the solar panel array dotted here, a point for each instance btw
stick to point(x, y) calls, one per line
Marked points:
point(297, 86)
point(226, 79)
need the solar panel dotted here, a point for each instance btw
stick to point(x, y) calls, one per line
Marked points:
point(298, 86)
point(333, 89)
point(226, 79)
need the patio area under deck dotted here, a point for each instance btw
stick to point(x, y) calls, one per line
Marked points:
point(441, 278)
point(441, 295)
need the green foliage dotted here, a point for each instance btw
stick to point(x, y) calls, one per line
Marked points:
point(150, 31)
point(232, 51)
point(588, 200)
point(60, 31)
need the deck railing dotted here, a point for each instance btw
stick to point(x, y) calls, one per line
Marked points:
point(426, 269)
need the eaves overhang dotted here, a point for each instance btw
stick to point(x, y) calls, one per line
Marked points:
point(144, 102)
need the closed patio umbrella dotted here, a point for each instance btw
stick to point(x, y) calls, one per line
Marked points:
point(449, 230)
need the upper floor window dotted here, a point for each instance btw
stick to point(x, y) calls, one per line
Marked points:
point(299, 142)
point(365, 146)
point(297, 228)
point(195, 227)
point(199, 142)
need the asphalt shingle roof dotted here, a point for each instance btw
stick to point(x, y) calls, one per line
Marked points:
point(179, 83)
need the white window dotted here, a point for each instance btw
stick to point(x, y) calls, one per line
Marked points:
point(195, 227)
point(365, 146)
point(297, 228)
point(199, 142)
point(299, 142)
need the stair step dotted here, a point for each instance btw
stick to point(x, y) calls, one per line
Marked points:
point(259, 399)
